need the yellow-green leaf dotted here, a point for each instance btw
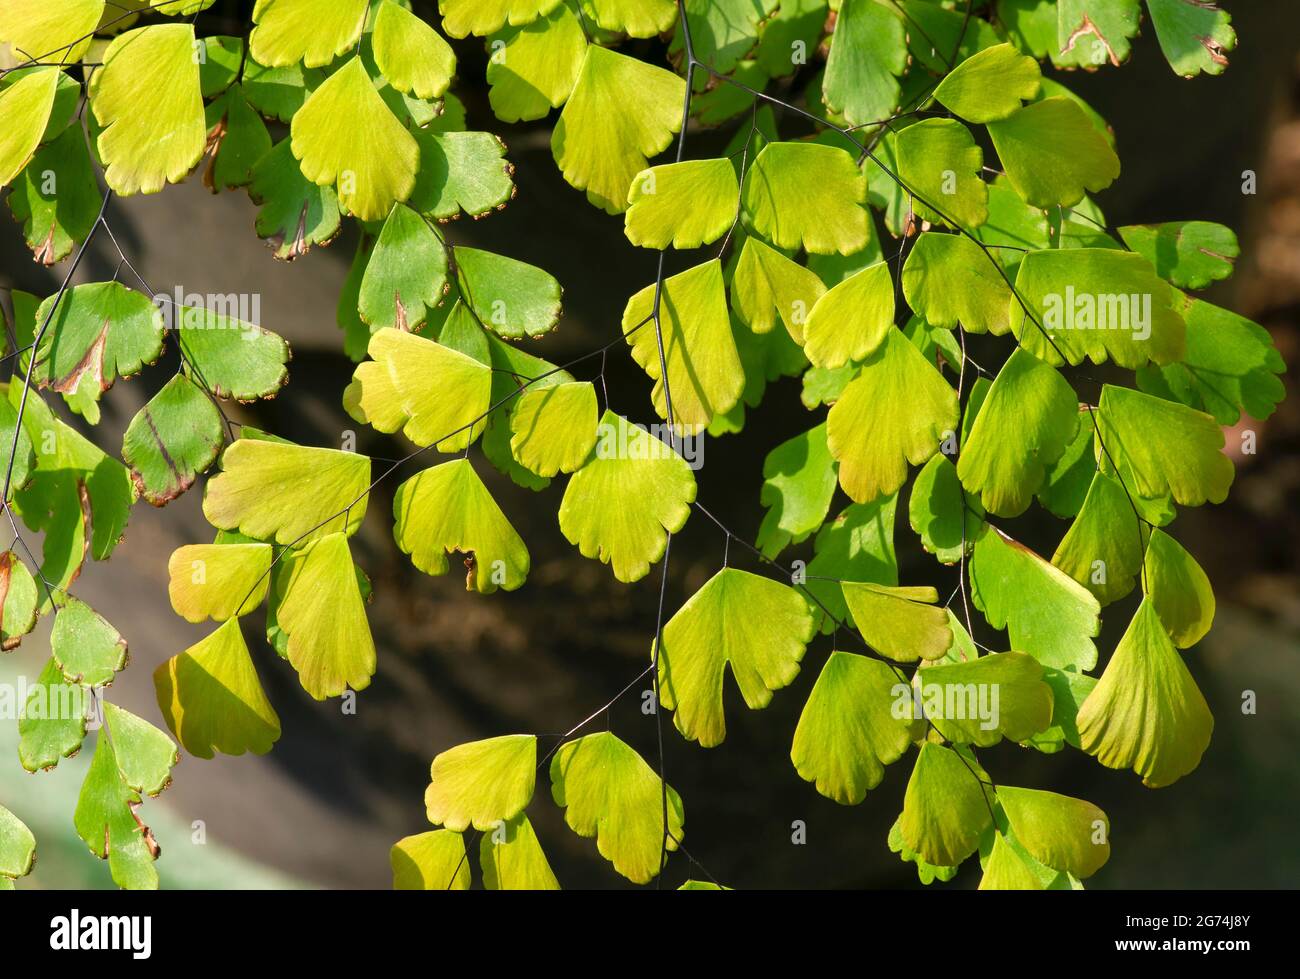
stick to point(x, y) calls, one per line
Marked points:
point(807, 195)
point(902, 623)
point(851, 321)
point(482, 783)
point(25, 107)
point(1066, 834)
point(945, 809)
point(684, 205)
point(1179, 590)
point(289, 31)
point(411, 54)
point(218, 581)
point(433, 861)
point(512, 859)
point(553, 428)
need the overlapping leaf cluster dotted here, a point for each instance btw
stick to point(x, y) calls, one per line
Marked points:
point(785, 274)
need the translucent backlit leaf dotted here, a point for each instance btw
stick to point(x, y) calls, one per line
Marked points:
point(288, 31)
point(937, 507)
point(319, 606)
point(807, 195)
point(25, 106)
point(1179, 590)
point(868, 54)
point(146, 98)
point(1190, 254)
point(553, 429)
point(847, 731)
point(896, 411)
point(212, 700)
point(940, 163)
point(49, 30)
point(346, 136)
point(1146, 713)
point(945, 810)
point(985, 699)
point(766, 286)
point(798, 485)
point(511, 298)
point(608, 791)
point(623, 503)
point(87, 648)
point(1058, 626)
point(447, 508)
point(705, 376)
point(482, 783)
point(603, 139)
point(684, 205)
point(1063, 833)
point(990, 85)
point(406, 275)
point(433, 861)
point(1103, 548)
point(410, 53)
point(949, 281)
point(461, 17)
point(277, 489)
point(757, 626)
point(536, 65)
point(1027, 421)
point(512, 859)
point(852, 320)
point(1052, 153)
point(902, 623)
point(218, 581)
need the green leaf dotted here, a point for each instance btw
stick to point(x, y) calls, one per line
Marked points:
point(990, 85)
point(26, 106)
point(237, 140)
point(1057, 627)
point(393, 391)
point(1179, 590)
point(798, 484)
point(318, 603)
point(868, 54)
point(18, 448)
point(411, 54)
point(78, 497)
point(939, 160)
point(447, 508)
point(858, 545)
point(100, 332)
point(1069, 478)
point(1026, 423)
point(53, 723)
point(847, 731)
point(287, 491)
point(171, 440)
point(218, 581)
point(945, 810)
point(1007, 870)
point(902, 623)
point(56, 198)
point(1103, 548)
point(145, 755)
point(89, 651)
point(482, 783)
point(794, 21)
point(684, 205)
point(231, 358)
point(1069, 690)
point(212, 700)
point(432, 861)
point(511, 369)
point(1096, 303)
point(288, 31)
point(766, 285)
point(896, 411)
point(1190, 254)
point(608, 791)
point(705, 377)
point(406, 275)
point(852, 320)
point(1092, 32)
point(1066, 834)
point(18, 601)
point(278, 93)
point(534, 67)
point(1052, 153)
point(807, 195)
point(295, 213)
point(346, 135)
point(1230, 366)
point(724, 31)
point(632, 493)
point(602, 139)
point(936, 509)
point(17, 848)
point(1195, 37)
point(757, 626)
point(1146, 713)
point(985, 699)
point(938, 33)
point(511, 298)
point(461, 172)
point(553, 429)
point(512, 859)
point(462, 17)
point(1170, 448)
point(45, 29)
point(927, 873)
point(635, 18)
point(148, 104)
point(949, 280)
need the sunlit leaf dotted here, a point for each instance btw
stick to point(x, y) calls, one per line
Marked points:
point(868, 54)
point(767, 285)
point(512, 859)
point(173, 438)
point(536, 66)
point(949, 280)
point(798, 485)
point(807, 195)
point(553, 429)
point(902, 623)
point(990, 85)
point(945, 809)
point(1179, 590)
point(218, 581)
point(1195, 37)
point(287, 31)
point(852, 320)
point(684, 205)
point(1052, 153)
point(985, 699)
point(433, 861)
point(45, 30)
point(411, 54)
point(482, 783)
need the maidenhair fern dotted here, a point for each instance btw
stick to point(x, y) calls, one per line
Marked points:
point(843, 114)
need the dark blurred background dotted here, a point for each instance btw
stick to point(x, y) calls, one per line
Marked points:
point(324, 807)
